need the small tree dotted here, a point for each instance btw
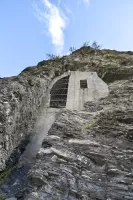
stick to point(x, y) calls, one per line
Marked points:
point(86, 44)
point(52, 56)
point(95, 45)
point(71, 49)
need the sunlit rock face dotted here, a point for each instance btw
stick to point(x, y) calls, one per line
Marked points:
point(88, 154)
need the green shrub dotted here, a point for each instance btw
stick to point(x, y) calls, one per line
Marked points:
point(4, 175)
point(95, 45)
point(52, 56)
point(54, 198)
point(72, 49)
point(2, 198)
point(90, 125)
point(86, 44)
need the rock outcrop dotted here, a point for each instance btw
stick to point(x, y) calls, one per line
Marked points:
point(88, 154)
point(19, 104)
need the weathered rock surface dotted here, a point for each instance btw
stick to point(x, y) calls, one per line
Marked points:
point(19, 104)
point(21, 96)
point(88, 154)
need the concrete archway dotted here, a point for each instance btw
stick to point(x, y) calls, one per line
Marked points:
point(58, 93)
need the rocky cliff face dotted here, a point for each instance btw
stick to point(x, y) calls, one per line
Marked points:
point(86, 155)
point(19, 103)
point(89, 155)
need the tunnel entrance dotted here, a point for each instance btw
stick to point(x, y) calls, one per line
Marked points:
point(58, 93)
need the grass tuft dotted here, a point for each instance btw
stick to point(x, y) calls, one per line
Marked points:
point(4, 175)
point(89, 125)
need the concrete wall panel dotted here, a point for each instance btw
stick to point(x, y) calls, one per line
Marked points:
point(77, 96)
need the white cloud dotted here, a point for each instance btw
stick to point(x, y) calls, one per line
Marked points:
point(54, 22)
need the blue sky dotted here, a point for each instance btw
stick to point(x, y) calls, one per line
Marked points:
point(29, 29)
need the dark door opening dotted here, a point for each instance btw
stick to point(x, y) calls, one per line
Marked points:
point(58, 93)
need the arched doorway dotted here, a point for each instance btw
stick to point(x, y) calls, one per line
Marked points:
point(58, 93)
